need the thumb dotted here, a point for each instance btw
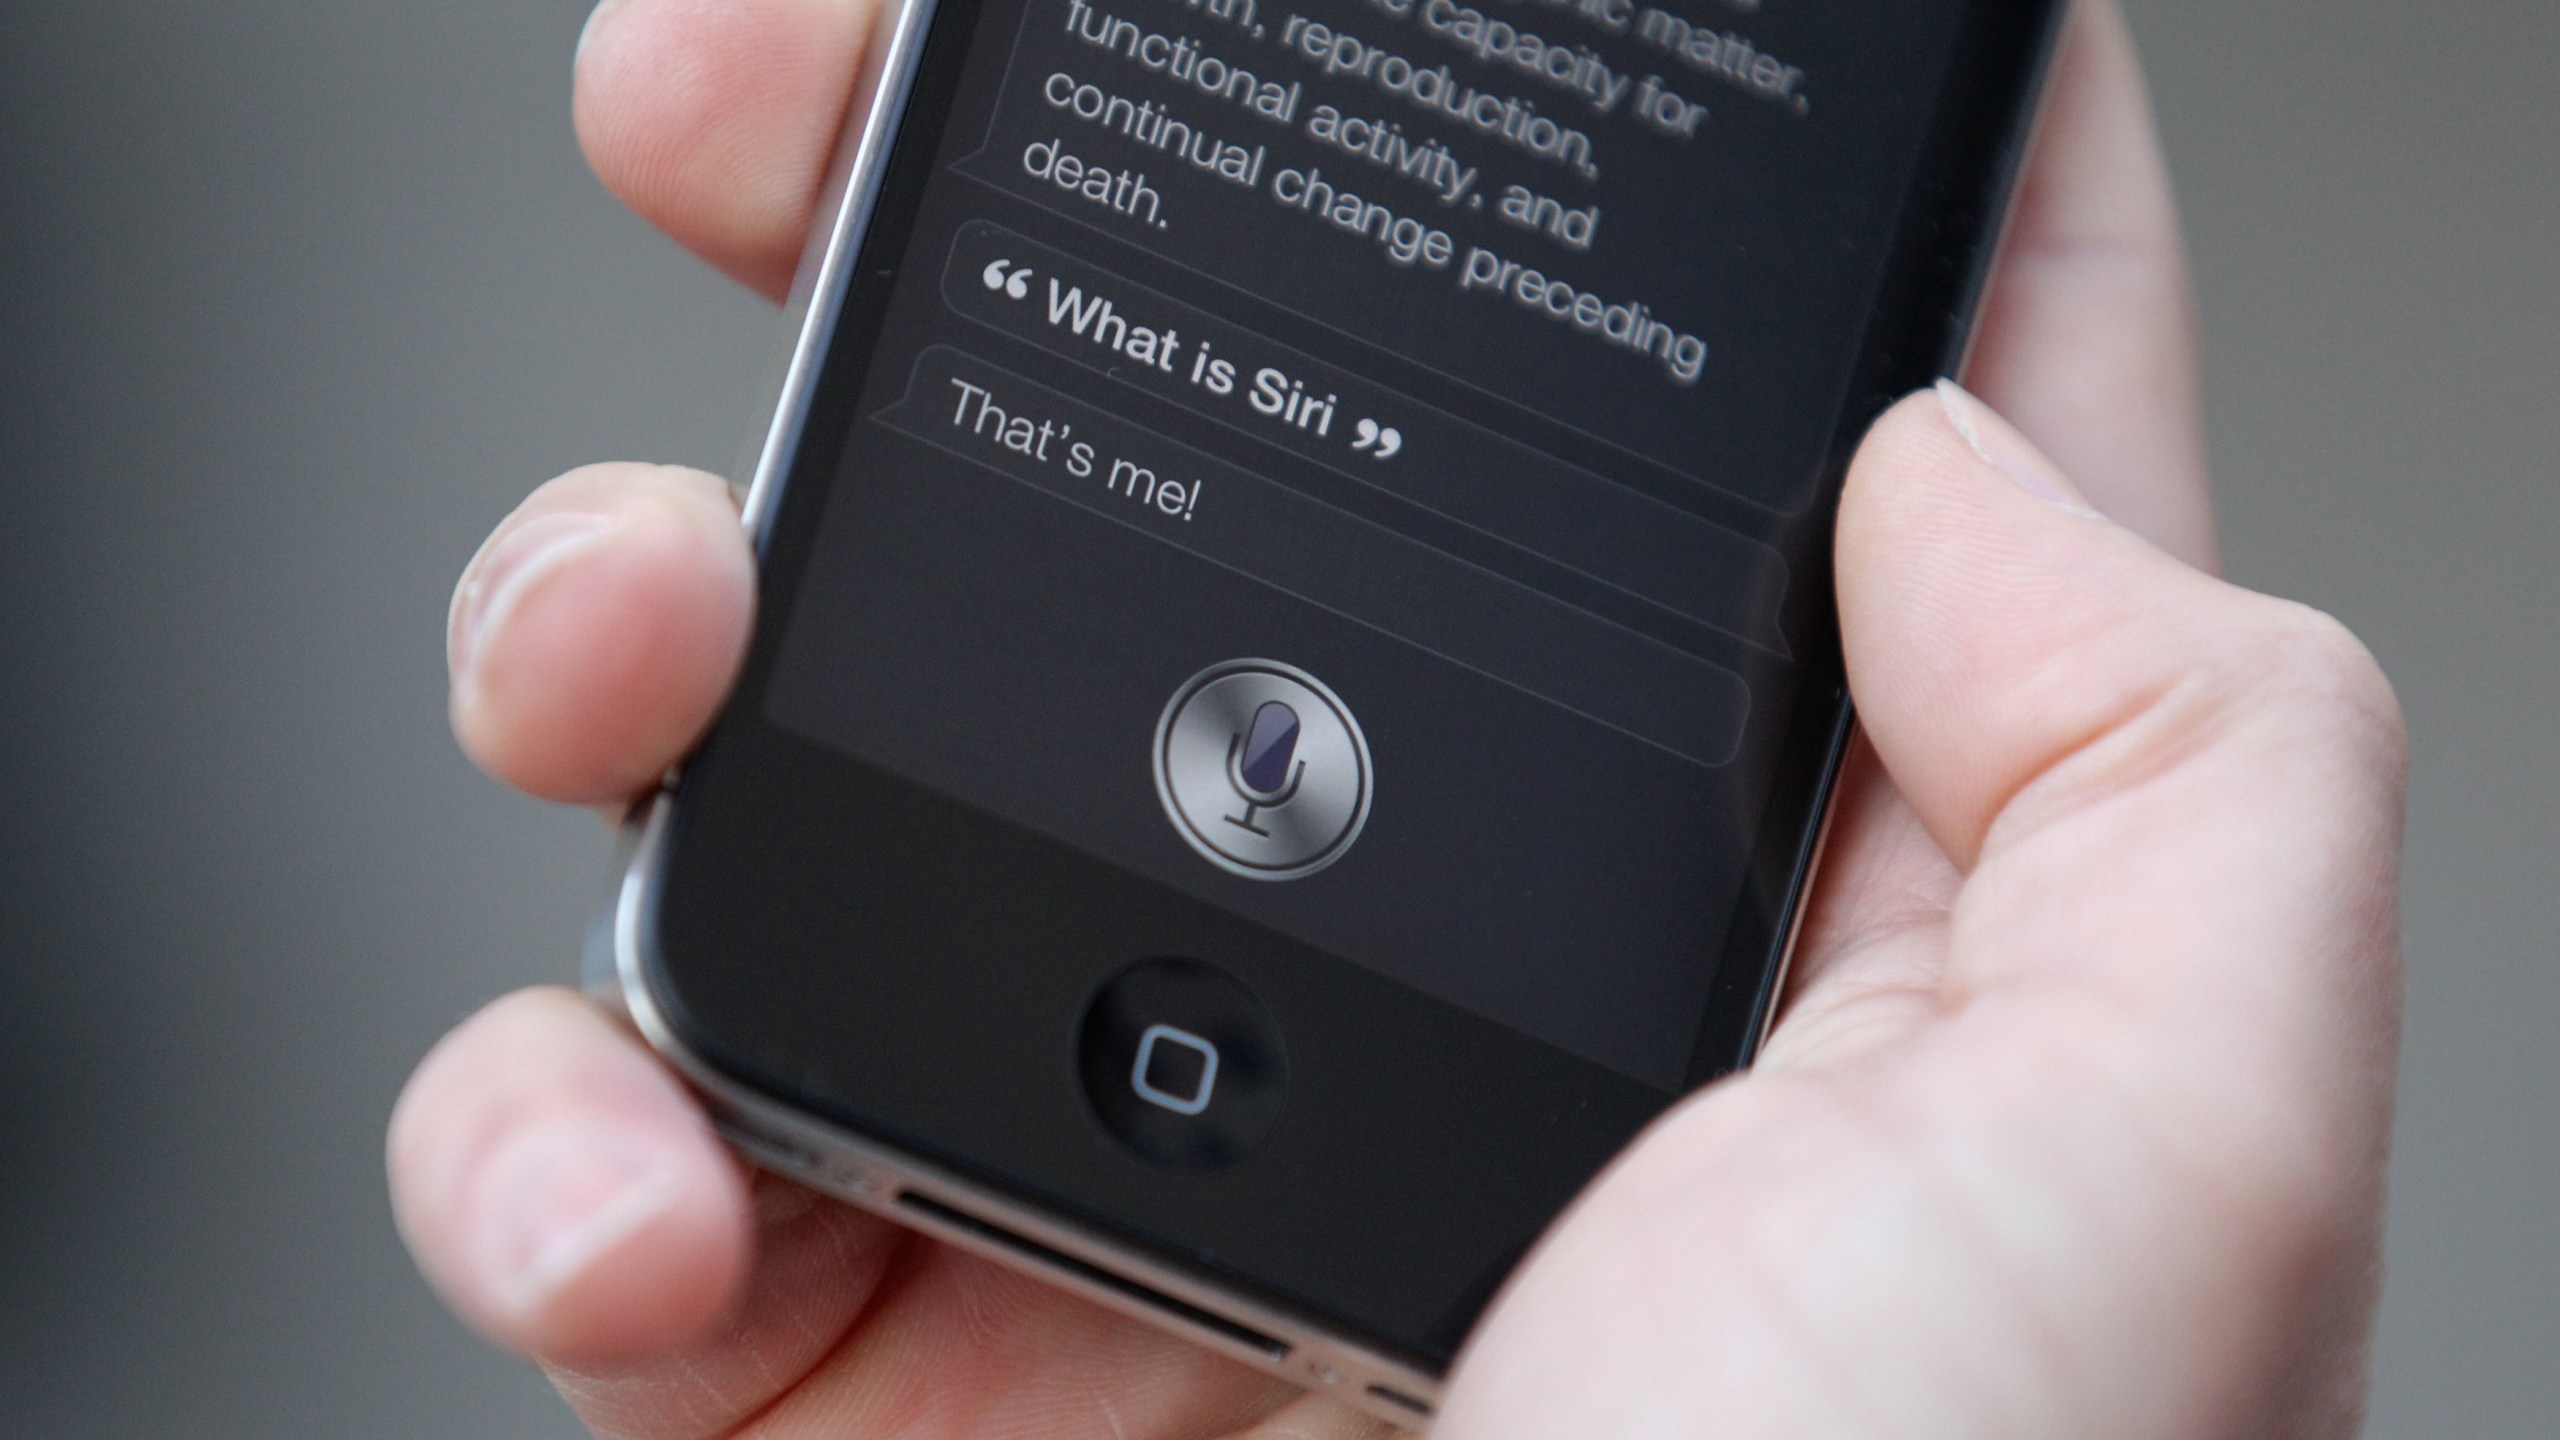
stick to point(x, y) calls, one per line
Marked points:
point(2163, 789)
point(2176, 806)
point(2017, 659)
point(2120, 1177)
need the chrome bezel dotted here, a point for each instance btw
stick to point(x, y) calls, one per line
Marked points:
point(818, 288)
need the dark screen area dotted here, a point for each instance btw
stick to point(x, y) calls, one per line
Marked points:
point(1482, 363)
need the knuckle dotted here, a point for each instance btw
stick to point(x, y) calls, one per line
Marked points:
point(2309, 667)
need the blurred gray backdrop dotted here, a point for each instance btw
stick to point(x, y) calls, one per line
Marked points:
point(296, 299)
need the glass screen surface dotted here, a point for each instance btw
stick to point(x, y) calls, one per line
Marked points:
point(1363, 464)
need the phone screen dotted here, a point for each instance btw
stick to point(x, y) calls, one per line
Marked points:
point(1296, 677)
point(1366, 464)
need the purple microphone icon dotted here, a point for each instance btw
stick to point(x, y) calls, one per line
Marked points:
point(1263, 763)
point(1262, 770)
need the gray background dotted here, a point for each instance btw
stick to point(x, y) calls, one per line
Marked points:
point(296, 299)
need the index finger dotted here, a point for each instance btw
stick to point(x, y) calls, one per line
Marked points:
point(715, 120)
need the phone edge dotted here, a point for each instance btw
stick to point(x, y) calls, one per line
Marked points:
point(852, 186)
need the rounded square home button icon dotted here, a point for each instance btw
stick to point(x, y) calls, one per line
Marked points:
point(1181, 1065)
point(1175, 1069)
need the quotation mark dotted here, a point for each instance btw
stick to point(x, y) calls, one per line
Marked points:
point(1386, 439)
point(1016, 285)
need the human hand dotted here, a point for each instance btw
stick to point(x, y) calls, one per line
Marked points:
point(2073, 1121)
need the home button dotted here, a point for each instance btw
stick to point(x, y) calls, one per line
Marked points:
point(1182, 1065)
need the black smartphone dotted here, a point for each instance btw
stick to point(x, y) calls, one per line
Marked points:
point(1296, 685)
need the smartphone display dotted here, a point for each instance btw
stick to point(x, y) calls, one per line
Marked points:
point(1297, 677)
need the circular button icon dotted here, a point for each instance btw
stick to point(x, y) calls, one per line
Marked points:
point(1182, 1064)
point(1262, 769)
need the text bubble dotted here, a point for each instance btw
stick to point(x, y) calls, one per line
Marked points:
point(1323, 555)
point(1638, 545)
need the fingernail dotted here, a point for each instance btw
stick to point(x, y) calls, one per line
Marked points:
point(2000, 446)
point(504, 572)
point(589, 28)
point(555, 1203)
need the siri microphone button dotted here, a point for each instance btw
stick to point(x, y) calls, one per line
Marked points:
point(1262, 770)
